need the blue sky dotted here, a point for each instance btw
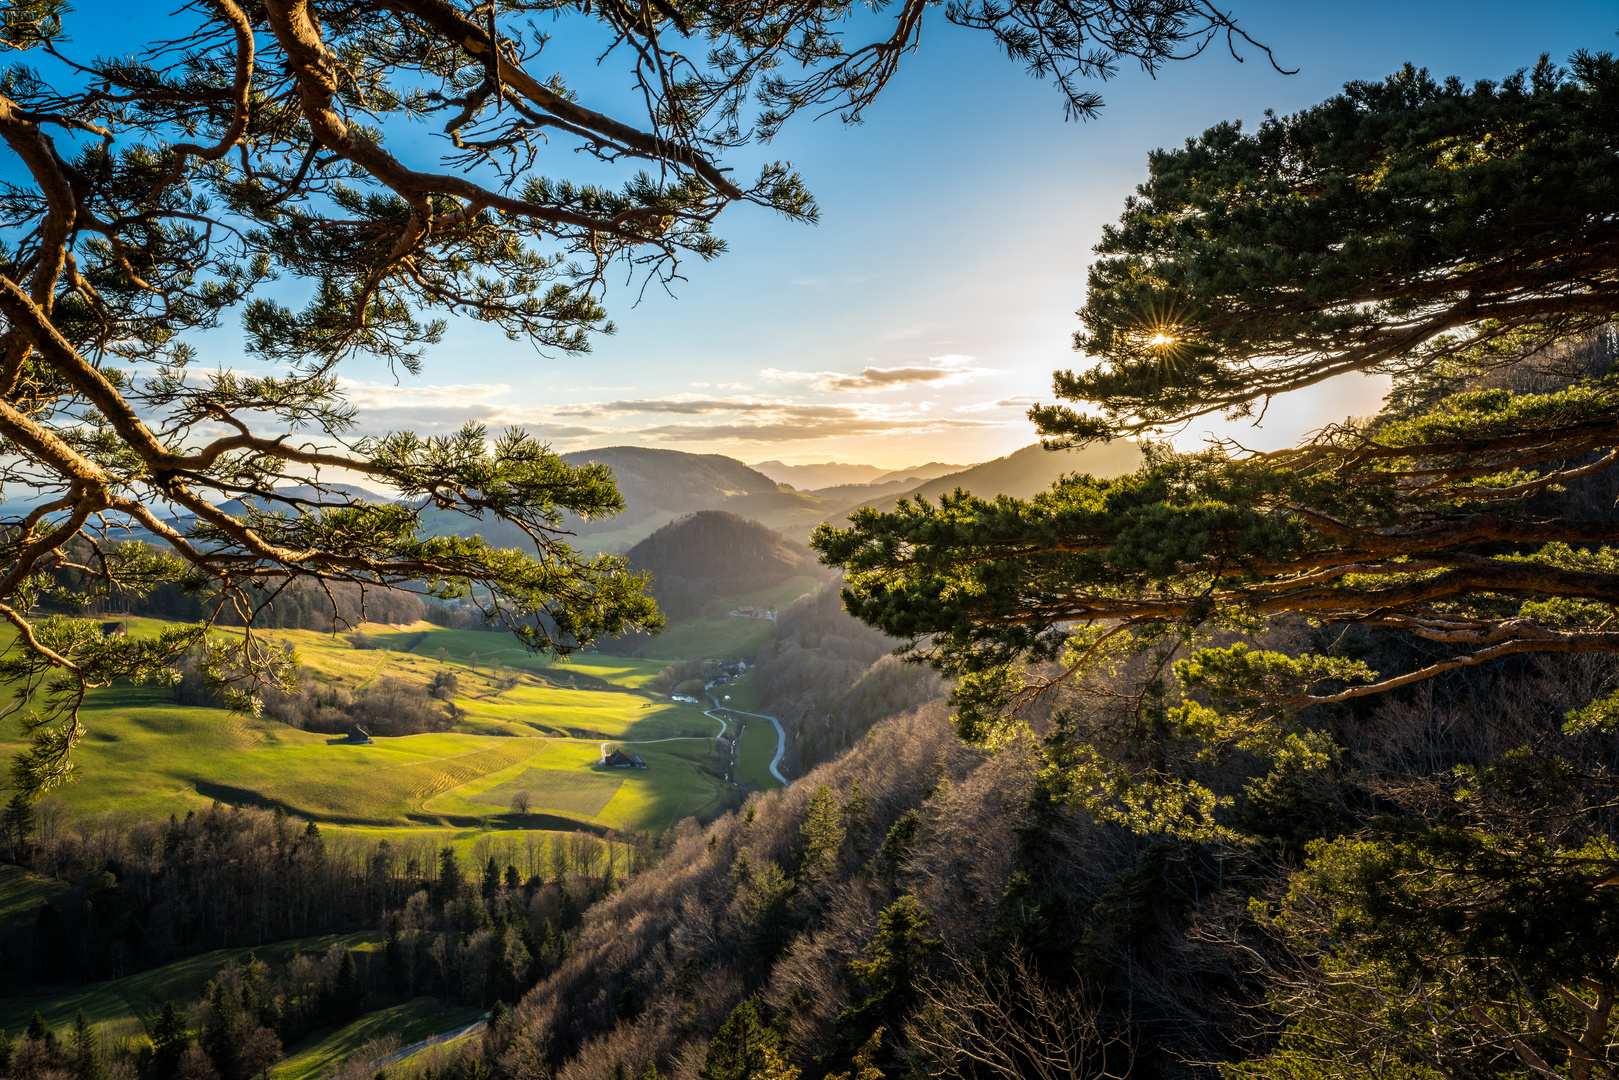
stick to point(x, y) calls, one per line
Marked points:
point(936, 296)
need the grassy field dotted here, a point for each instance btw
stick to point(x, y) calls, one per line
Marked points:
point(153, 758)
point(713, 632)
point(121, 1003)
point(537, 717)
point(323, 1051)
point(758, 745)
point(753, 755)
point(21, 893)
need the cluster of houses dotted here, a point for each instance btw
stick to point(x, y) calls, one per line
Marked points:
point(749, 611)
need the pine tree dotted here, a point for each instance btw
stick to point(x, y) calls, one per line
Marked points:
point(895, 959)
point(856, 809)
point(1470, 515)
point(820, 837)
point(8, 1050)
point(313, 842)
point(450, 879)
point(739, 1049)
point(897, 844)
point(170, 1037)
point(767, 924)
point(87, 1061)
point(18, 824)
point(491, 880)
point(348, 993)
point(222, 1035)
point(255, 987)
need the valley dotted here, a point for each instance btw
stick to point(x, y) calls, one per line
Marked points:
point(474, 750)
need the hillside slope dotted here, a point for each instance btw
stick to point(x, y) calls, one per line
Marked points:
point(712, 553)
point(1006, 880)
point(659, 486)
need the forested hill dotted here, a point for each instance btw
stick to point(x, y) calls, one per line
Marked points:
point(714, 553)
point(660, 484)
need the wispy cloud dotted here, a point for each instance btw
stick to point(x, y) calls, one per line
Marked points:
point(366, 395)
point(940, 370)
point(680, 404)
point(794, 425)
point(675, 418)
point(1004, 403)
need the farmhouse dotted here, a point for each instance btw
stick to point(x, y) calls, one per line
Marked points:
point(359, 735)
point(618, 759)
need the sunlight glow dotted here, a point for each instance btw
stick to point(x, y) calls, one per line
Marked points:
point(1159, 339)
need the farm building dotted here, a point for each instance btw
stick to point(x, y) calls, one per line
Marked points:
point(618, 759)
point(358, 734)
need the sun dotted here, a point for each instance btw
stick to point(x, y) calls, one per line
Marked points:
point(1160, 339)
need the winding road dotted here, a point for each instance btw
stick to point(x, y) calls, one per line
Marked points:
point(781, 736)
point(724, 727)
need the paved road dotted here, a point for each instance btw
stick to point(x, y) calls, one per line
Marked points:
point(677, 738)
point(432, 1040)
point(781, 737)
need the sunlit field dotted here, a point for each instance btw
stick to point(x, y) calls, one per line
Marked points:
point(533, 723)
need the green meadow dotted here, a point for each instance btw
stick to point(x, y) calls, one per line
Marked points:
point(122, 1004)
point(21, 893)
point(758, 744)
point(533, 717)
point(402, 1025)
point(714, 632)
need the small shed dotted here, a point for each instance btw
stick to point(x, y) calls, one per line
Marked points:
point(618, 759)
point(359, 735)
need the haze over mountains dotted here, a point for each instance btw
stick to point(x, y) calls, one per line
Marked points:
point(1022, 473)
point(838, 474)
point(661, 487)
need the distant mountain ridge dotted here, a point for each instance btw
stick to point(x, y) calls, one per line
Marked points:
point(661, 487)
point(840, 474)
point(826, 474)
point(1023, 473)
